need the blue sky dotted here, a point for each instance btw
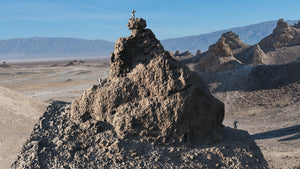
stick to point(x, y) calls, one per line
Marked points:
point(106, 19)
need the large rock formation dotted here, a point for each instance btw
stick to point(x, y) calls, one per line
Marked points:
point(149, 95)
point(219, 57)
point(146, 114)
point(283, 35)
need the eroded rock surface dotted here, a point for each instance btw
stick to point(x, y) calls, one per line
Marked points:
point(57, 142)
point(151, 96)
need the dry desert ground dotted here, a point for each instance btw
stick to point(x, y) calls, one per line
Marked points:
point(271, 116)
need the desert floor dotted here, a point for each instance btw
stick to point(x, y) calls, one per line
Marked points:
point(271, 116)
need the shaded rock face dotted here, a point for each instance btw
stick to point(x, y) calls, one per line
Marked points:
point(259, 57)
point(283, 35)
point(219, 57)
point(233, 40)
point(150, 96)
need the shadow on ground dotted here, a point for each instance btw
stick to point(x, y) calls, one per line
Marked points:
point(280, 133)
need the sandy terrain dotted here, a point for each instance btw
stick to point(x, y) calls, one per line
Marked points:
point(18, 115)
point(274, 124)
point(270, 115)
point(36, 85)
point(48, 81)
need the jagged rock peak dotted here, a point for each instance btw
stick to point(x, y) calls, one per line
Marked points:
point(140, 47)
point(151, 96)
point(220, 48)
point(259, 57)
point(233, 40)
point(281, 25)
point(138, 23)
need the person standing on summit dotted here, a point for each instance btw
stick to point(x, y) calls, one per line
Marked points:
point(133, 14)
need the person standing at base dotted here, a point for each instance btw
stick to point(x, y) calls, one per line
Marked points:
point(235, 124)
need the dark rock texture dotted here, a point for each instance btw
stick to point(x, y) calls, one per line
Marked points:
point(57, 142)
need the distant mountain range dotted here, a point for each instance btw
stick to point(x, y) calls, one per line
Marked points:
point(31, 48)
point(250, 34)
point(22, 48)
